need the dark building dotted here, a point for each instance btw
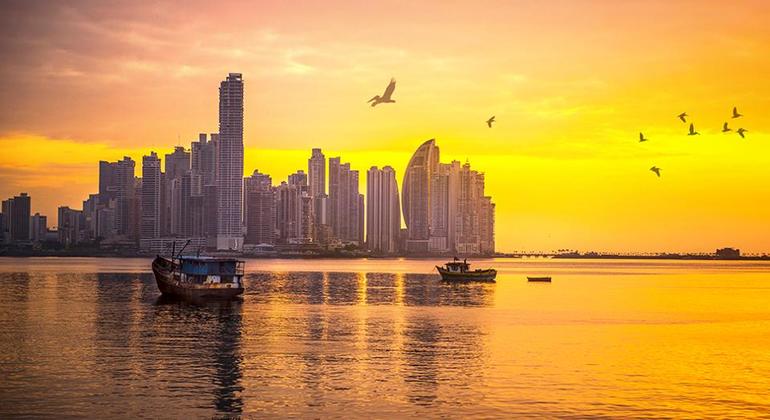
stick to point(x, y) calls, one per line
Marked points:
point(116, 182)
point(16, 217)
point(260, 209)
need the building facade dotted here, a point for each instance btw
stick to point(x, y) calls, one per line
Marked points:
point(383, 213)
point(230, 164)
point(260, 209)
point(150, 198)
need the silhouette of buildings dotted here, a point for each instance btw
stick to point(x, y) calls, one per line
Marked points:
point(444, 206)
point(230, 164)
point(201, 195)
point(383, 213)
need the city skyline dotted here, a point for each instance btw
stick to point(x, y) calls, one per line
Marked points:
point(570, 86)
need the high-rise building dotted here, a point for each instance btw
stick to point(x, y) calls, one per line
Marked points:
point(299, 178)
point(69, 226)
point(151, 197)
point(230, 164)
point(260, 209)
point(416, 196)
point(38, 226)
point(383, 213)
point(116, 182)
point(203, 158)
point(316, 169)
point(16, 216)
point(293, 214)
point(345, 210)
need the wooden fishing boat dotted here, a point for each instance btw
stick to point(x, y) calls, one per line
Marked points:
point(460, 271)
point(199, 277)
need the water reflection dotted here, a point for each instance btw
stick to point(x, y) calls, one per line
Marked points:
point(366, 289)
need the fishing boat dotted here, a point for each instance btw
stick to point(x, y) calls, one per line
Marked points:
point(199, 277)
point(543, 279)
point(461, 271)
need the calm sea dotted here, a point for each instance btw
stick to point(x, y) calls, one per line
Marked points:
point(385, 338)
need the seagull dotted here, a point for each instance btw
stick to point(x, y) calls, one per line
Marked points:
point(490, 121)
point(735, 112)
point(740, 131)
point(385, 98)
point(641, 137)
point(692, 130)
point(725, 128)
point(656, 170)
point(681, 117)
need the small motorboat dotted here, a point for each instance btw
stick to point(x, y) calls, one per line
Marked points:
point(461, 271)
point(544, 279)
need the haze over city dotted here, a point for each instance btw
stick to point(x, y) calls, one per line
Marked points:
point(90, 81)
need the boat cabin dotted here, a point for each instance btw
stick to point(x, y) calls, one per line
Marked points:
point(458, 267)
point(207, 270)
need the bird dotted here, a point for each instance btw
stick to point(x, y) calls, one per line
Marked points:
point(682, 117)
point(656, 170)
point(385, 98)
point(725, 128)
point(735, 112)
point(490, 121)
point(692, 130)
point(641, 137)
point(740, 132)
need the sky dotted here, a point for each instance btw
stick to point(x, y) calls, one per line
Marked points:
point(571, 83)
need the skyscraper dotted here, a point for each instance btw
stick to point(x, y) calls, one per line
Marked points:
point(38, 226)
point(416, 196)
point(151, 190)
point(69, 226)
point(230, 164)
point(16, 215)
point(383, 213)
point(344, 202)
point(316, 169)
point(116, 182)
point(177, 165)
point(260, 209)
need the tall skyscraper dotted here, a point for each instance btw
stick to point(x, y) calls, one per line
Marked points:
point(383, 213)
point(416, 196)
point(260, 209)
point(316, 169)
point(230, 164)
point(116, 182)
point(293, 213)
point(151, 191)
point(345, 210)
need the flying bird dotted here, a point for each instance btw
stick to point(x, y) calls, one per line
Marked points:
point(641, 138)
point(740, 131)
point(692, 130)
point(490, 121)
point(682, 117)
point(735, 112)
point(656, 170)
point(725, 128)
point(385, 98)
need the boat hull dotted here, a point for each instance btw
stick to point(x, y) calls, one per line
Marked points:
point(539, 279)
point(162, 268)
point(477, 275)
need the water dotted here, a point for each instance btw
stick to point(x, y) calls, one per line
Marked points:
point(341, 338)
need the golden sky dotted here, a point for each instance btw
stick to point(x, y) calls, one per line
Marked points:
point(571, 83)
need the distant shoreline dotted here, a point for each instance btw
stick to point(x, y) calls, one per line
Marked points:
point(350, 256)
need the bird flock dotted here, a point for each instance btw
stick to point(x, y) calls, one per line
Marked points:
point(692, 132)
point(386, 97)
